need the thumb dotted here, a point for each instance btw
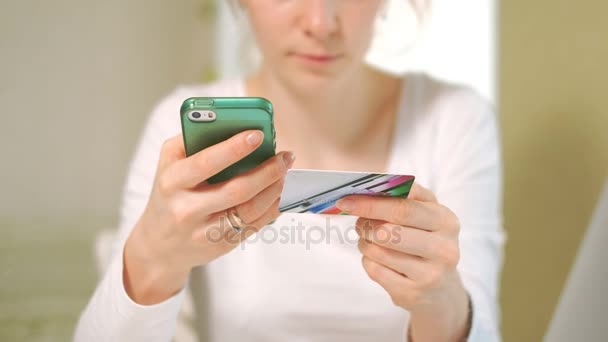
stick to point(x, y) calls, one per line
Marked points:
point(420, 193)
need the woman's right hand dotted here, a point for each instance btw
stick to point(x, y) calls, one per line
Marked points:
point(185, 215)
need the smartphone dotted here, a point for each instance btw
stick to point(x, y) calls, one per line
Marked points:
point(207, 121)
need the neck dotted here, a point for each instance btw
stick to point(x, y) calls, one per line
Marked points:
point(339, 115)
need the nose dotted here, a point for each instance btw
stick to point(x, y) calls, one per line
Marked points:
point(320, 18)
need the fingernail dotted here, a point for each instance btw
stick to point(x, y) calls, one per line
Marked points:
point(288, 159)
point(254, 138)
point(346, 204)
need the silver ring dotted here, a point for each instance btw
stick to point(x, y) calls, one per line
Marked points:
point(235, 221)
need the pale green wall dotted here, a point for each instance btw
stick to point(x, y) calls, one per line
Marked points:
point(77, 80)
point(554, 109)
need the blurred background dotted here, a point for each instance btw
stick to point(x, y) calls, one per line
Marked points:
point(78, 79)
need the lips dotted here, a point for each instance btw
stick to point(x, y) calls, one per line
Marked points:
point(316, 58)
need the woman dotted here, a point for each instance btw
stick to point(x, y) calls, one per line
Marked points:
point(433, 279)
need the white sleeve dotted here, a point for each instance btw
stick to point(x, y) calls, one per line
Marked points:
point(469, 182)
point(111, 315)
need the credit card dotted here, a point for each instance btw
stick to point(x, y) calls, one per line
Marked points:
point(316, 191)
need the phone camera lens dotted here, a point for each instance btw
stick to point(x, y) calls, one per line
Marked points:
point(196, 115)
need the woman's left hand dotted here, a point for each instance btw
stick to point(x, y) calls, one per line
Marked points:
point(410, 247)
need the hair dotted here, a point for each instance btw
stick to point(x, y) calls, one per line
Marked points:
point(421, 7)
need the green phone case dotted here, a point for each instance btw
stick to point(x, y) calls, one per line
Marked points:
point(232, 115)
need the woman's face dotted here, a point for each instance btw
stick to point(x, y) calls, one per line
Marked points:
point(312, 40)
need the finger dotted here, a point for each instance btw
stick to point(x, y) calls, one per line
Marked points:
point(407, 212)
point(403, 239)
point(269, 216)
point(197, 168)
point(196, 205)
point(172, 150)
point(220, 235)
point(223, 235)
point(245, 186)
point(411, 266)
point(393, 282)
point(253, 209)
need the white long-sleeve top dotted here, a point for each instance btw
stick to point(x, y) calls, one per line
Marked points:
point(279, 286)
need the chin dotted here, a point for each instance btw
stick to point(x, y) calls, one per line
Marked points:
point(312, 81)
